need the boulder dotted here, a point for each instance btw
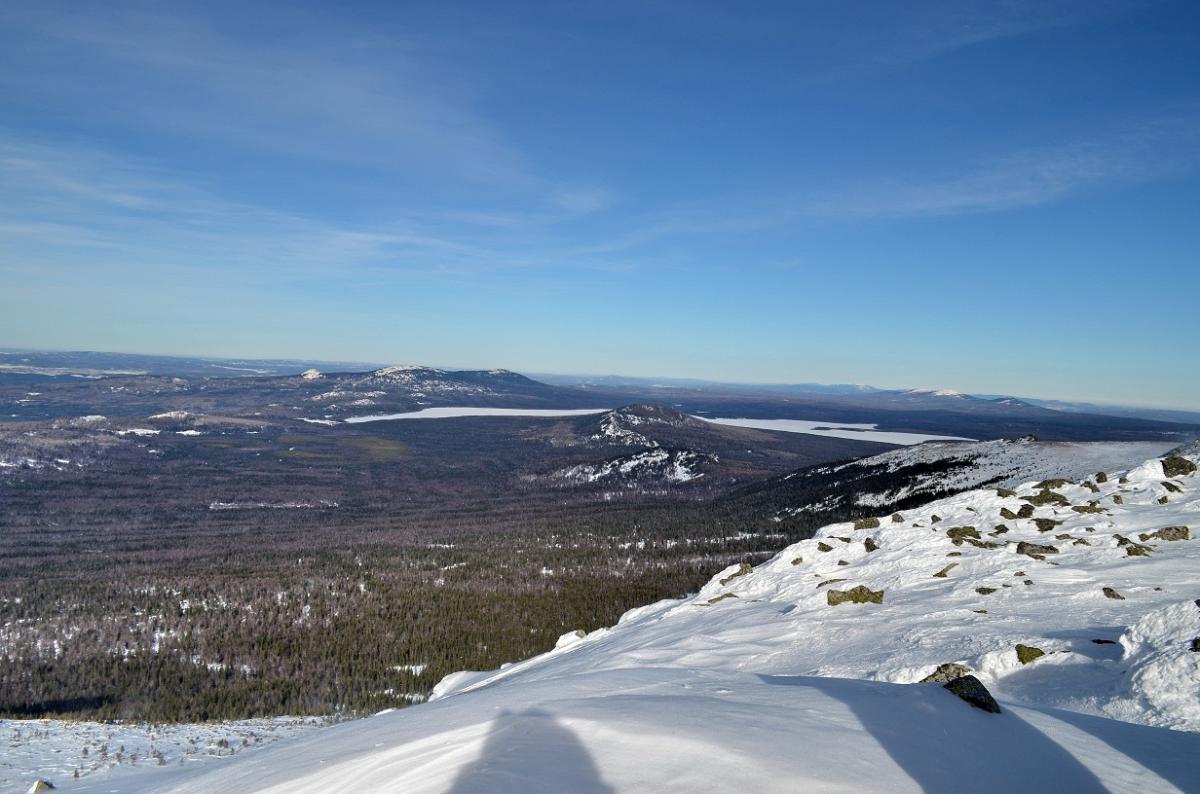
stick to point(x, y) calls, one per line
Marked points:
point(855, 595)
point(1177, 466)
point(945, 673)
point(866, 523)
point(1167, 533)
point(1113, 594)
point(970, 689)
point(958, 533)
point(1035, 550)
point(1027, 653)
point(742, 570)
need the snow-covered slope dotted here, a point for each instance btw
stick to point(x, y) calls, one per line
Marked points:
point(913, 474)
point(774, 679)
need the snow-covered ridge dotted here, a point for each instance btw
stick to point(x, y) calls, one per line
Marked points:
point(1072, 600)
point(652, 466)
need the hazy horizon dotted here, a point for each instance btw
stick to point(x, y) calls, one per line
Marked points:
point(993, 198)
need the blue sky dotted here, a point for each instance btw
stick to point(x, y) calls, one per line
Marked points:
point(992, 197)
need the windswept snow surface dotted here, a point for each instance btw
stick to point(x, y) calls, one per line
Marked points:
point(453, 413)
point(758, 683)
point(862, 432)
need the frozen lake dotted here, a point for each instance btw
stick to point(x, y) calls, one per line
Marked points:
point(862, 432)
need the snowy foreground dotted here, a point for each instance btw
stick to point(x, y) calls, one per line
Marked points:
point(761, 682)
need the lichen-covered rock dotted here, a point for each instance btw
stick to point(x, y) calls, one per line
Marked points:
point(1133, 549)
point(742, 570)
point(870, 545)
point(1026, 511)
point(1008, 514)
point(855, 595)
point(1088, 509)
point(897, 518)
point(945, 673)
point(867, 523)
point(1167, 533)
point(721, 597)
point(999, 530)
point(1027, 653)
point(962, 532)
point(1005, 493)
point(1035, 550)
point(824, 547)
point(985, 590)
point(1047, 498)
point(970, 689)
point(1046, 524)
point(797, 560)
point(1052, 484)
point(1177, 466)
point(1101, 477)
point(1113, 594)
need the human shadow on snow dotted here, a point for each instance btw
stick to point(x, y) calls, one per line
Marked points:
point(532, 753)
point(946, 745)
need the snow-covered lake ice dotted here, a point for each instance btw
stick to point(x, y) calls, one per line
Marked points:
point(862, 432)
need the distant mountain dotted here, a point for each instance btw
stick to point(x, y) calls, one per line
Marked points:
point(34, 366)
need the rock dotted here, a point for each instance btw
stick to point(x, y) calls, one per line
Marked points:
point(1113, 594)
point(1163, 500)
point(1088, 509)
point(1177, 466)
point(942, 573)
point(1008, 514)
point(969, 688)
point(897, 518)
point(1048, 498)
point(828, 581)
point(1101, 477)
point(1196, 645)
point(985, 590)
point(742, 570)
point(867, 523)
point(962, 532)
point(1028, 581)
point(1105, 642)
point(1046, 524)
point(1005, 493)
point(954, 554)
point(824, 547)
point(855, 595)
point(721, 597)
point(999, 530)
point(1091, 486)
point(1132, 549)
point(1170, 486)
point(1117, 499)
point(945, 673)
point(839, 537)
point(935, 518)
point(843, 562)
point(1167, 533)
point(1058, 482)
point(1027, 653)
point(797, 560)
point(870, 545)
point(984, 544)
point(1035, 550)
point(1026, 511)
point(1018, 573)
